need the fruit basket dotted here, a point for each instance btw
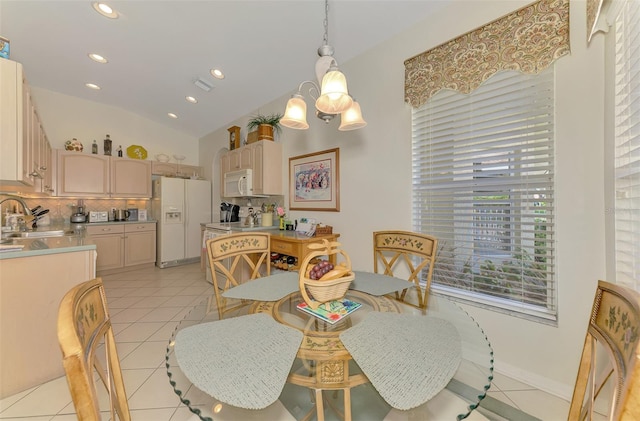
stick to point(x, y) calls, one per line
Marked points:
point(334, 282)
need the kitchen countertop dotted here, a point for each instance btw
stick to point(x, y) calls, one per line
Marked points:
point(48, 245)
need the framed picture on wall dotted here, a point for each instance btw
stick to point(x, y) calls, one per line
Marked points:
point(314, 181)
point(234, 137)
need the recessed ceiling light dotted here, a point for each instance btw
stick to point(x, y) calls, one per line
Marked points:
point(92, 86)
point(191, 99)
point(172, 115)
point(217, 73)
point(97, 58)
point(105, 10)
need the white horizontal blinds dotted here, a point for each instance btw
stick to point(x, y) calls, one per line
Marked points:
point(483, 168)
point(627, 145)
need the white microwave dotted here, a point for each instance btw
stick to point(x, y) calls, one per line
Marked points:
point(238, 183)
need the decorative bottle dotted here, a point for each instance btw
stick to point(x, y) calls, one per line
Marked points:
point(120, 151)
point(107, 146)
point(94, 147)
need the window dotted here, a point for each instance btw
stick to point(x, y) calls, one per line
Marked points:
point(483, 180)
point(627, 145)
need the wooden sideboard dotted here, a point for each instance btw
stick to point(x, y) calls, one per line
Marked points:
point(292, 244)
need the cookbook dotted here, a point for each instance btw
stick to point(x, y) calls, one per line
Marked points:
point(337, 310)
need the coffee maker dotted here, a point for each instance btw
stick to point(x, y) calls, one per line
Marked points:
point(229, 212)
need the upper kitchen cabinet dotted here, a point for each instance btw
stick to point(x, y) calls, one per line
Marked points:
point(89, 175)
point(167, 169)
point(264, 158)
point(130, 177)
point(25, 152)
point(82, 174)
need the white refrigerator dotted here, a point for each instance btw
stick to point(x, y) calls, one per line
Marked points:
point(180, 206)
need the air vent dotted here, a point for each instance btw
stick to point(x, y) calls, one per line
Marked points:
point(203, 84)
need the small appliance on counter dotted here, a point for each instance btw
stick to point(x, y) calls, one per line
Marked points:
point(99, 216)
point(79, 217)
point(133, 214)
point(229, 212)
point(120, 215)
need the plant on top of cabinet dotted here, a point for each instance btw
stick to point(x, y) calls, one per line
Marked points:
point(266, 125)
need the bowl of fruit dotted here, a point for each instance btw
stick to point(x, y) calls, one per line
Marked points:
point(320, 280)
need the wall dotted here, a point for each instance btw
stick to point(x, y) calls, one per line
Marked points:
point(375, 179)
point(65, 117)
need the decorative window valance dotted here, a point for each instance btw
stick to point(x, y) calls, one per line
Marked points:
point(601, 14)
point(528, 40)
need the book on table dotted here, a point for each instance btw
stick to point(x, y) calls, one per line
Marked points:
point(332, 311)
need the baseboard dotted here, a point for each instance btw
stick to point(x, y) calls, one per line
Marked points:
point(553, 387)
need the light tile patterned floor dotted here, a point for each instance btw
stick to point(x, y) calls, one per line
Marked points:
point(145, 306)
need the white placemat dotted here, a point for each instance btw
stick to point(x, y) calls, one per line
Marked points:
point(269, 288)
point(377, 284)
point(243, 361)
point(408, 358)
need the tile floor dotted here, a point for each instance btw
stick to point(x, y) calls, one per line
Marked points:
point(145, 306)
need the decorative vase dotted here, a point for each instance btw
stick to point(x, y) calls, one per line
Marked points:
point(282, 222)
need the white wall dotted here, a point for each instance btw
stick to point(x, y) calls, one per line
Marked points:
point(375, 183)
point(65, 117)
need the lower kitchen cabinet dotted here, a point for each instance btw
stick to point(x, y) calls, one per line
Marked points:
point(139, 244)
point(123, 245)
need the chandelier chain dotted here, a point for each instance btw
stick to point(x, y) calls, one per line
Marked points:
point(326, 22)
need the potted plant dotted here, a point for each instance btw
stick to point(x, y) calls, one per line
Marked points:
point(265, 125)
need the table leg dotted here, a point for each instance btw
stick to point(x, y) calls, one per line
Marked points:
point(347, 404)
point(319, 405)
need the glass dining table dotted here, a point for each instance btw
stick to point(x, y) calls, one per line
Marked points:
point(353, 369)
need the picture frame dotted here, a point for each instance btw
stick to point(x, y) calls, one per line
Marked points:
point(234, 137)
point(314, 181)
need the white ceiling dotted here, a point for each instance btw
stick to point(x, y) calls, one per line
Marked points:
point(157, 49)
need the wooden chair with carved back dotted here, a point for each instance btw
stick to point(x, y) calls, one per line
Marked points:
point(88, 348)
point(407, 255)
point(234, 259)
point(611, 354)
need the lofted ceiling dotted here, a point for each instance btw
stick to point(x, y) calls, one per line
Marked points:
point(158, 49)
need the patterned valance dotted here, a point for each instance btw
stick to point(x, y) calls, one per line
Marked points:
point(528, 40)
point(593, 14)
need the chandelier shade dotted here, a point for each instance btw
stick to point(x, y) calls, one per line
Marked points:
point(334, 96)
point(295, 115)
point(351, 119)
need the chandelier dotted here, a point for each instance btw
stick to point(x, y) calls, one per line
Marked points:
point(331, 99)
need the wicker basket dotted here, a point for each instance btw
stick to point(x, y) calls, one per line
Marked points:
point(327, 229)
point(318, 292)
point(324, 291)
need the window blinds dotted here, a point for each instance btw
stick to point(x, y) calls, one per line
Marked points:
point(627, 145)
point(483, 184)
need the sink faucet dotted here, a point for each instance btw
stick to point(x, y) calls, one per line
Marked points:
point(26, 209)
point(18, 199)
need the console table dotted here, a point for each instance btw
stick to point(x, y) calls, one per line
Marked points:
point(293, 244)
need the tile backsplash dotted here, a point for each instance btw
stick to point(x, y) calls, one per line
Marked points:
point(62, 208)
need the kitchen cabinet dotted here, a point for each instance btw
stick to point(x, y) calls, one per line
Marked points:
point(264, 158)
point(123, 245)
point(170, 170)
point(81, 174)
point(89, 175)
point(31, 289)
point(23, 142)
point(293, 244)
point(109, 241)
point(130, 177)
point(139, 244)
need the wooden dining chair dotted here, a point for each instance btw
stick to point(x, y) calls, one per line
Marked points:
point(88, 348)
point(613, 335)
point(237, 258)
point(407, 255)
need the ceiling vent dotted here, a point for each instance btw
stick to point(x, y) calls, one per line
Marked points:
point(203, 84)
